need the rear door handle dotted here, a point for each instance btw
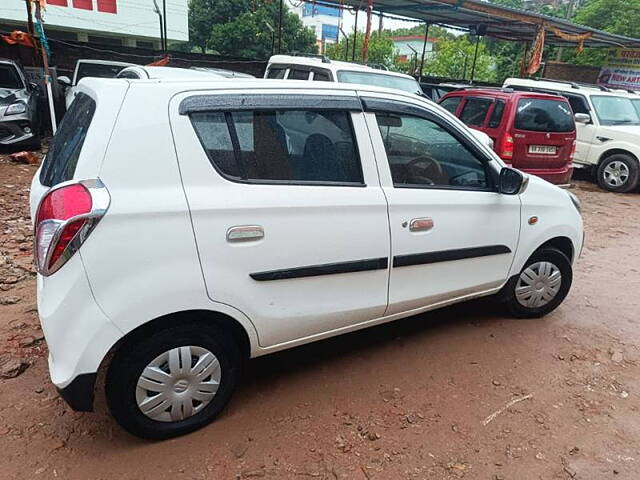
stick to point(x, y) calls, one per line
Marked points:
point(245, 233)
point(421, 224)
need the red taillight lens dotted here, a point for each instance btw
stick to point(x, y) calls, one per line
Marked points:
point(506, 148)
point(573, 151)
point(65, 217)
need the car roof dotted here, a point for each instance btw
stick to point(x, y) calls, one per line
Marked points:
point(153, 72)
point(569, 87)
point(334, 65)
point(106, 62)
point(223, 72)
point(504, 93)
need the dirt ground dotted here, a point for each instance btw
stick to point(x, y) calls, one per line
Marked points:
point(427, 397)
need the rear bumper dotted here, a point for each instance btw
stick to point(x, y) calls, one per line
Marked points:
point(557, 176)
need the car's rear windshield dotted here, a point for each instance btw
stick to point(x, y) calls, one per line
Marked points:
point(538, 115)
point(62, 158)
point(9, 77)
point(380, 80)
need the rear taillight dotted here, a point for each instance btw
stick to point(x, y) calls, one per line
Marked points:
point(506, 147)
point(573, 151)
point(66, 216)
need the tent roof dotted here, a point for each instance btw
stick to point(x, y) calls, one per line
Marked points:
point(502, 22)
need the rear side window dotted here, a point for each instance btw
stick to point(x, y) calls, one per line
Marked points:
point(475, 111)
point(451, 103)
point(276, 72)
point(292, 146)
point(62, 158)
point(321, 76)
point(299, 74)
point(539, 115)
point(496, 115)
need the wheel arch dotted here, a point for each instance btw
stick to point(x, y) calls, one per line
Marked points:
point(564, 244)
point(615, 151)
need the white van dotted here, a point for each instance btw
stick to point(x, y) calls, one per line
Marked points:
point(607, 127)
point(185, 226)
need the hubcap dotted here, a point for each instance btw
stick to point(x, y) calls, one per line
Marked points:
point(538, 285)
point(616, 174)
point(178, 383)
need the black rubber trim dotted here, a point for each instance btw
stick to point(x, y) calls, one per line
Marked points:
point(268, 101)
point(325, 269)
point(79, 393)
point(448, 255)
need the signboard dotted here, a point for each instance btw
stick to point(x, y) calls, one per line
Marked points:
point(123, 18)
point(622, 70)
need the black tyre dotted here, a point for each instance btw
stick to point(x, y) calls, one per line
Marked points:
point(541, 286)
point(173, 381)
point(618, 173)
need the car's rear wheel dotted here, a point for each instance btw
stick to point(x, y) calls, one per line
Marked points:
point(618, 173)
point(173, 381)
point(541, 286)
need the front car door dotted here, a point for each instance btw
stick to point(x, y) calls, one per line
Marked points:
point(288, 214)
point(585, 133)
point(453, 235)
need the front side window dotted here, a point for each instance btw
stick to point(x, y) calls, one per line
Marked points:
point(292, 146)
point(615, 110)
point(537, 115)
point(578, 104)
point(276, 72)
point(98, 70)
point(297, 74)
point(451, 103)
point(475, 111)
point(321, 76)
point(421, 153)
point(9, 77)
point(496, 114)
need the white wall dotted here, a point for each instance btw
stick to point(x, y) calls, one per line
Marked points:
point(134, 18)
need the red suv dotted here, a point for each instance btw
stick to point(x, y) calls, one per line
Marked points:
point(533, 132)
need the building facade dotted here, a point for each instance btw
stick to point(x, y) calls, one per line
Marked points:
point(324, 21)
point(407, 46)
point(130, 23)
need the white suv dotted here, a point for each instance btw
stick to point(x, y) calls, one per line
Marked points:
point(608, 129)
point(185, 226)
point(321, 69)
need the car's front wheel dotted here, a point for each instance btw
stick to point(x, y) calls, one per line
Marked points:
point(541, 286)
point(173, 381)
point(618, 173)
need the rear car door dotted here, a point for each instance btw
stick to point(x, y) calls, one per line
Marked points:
point(453, 235)
point(543, 132)
point(289, 218)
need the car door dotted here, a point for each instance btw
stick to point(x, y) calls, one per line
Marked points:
point(289, 218)
point(585, 133)
point(453, 235)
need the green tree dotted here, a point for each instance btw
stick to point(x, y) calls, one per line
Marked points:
point(381, 49)
point(454, 59)
point(204, 14)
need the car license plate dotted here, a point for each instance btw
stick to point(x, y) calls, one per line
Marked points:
point(542, 149)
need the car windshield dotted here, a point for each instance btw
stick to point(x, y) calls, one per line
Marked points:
point(9, 77)
point(615, 110)
point(98, 70)
point(380, 80)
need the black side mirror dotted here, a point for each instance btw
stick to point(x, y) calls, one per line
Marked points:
point(510, 182)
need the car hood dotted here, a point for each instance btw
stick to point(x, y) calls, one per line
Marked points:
point(11, 95)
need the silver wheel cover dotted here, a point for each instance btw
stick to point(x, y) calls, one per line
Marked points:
point(538, 284)
point(616, 174)
point(178, 383)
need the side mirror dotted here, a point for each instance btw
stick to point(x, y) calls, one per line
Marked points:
point(64, 81)
point(511, 181)
point(34, 87)
point(583, 118)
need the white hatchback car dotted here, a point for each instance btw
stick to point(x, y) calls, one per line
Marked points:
point(185, 226)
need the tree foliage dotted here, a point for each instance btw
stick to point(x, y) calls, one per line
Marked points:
point(381, 49)
point(454, 59)
point(244, 28)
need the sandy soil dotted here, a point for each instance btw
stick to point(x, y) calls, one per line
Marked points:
point(412, 399)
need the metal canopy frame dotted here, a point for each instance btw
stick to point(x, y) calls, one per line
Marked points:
point(503, 23)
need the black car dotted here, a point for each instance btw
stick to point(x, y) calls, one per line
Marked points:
point(20, 118)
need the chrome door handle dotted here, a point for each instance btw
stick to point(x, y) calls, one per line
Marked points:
point(421, 224)
point(245, 233)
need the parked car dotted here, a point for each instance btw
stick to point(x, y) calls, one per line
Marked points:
point(146, 73)
point(20, 117)
point(224, 221)
point(89, 68)
point(321, 69)
point(533, 132)
point(608, 137)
